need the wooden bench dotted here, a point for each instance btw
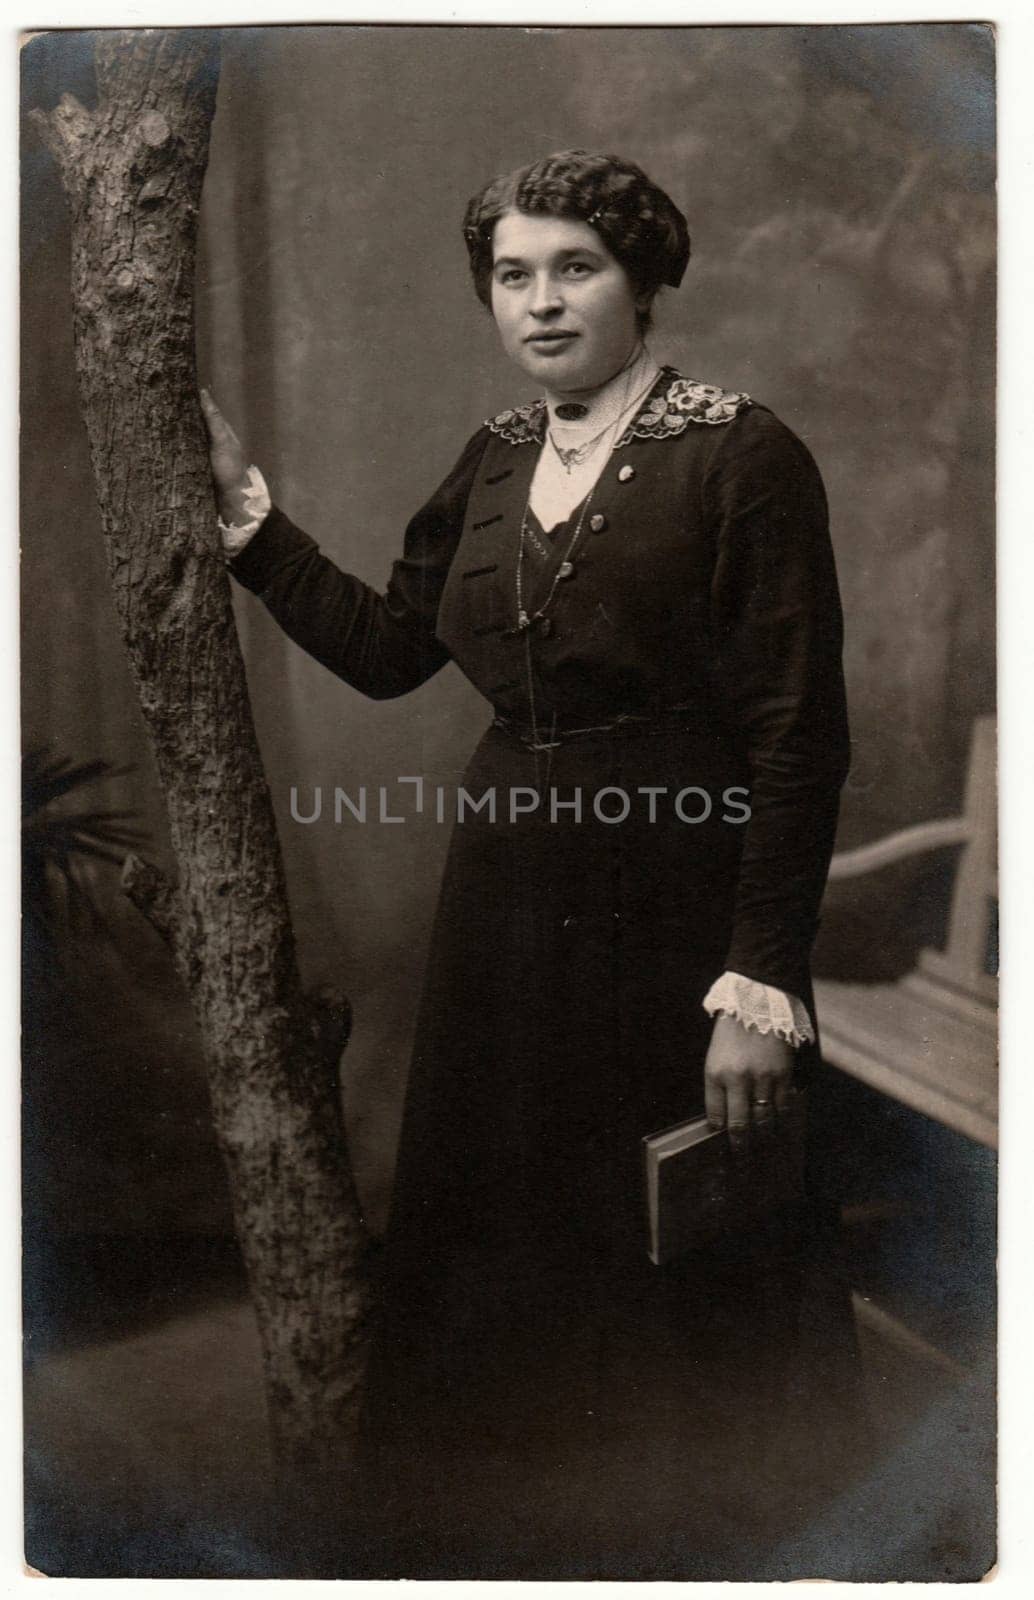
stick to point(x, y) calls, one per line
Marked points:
point(930, 1040)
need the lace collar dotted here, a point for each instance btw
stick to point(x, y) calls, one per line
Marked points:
point(672, 404)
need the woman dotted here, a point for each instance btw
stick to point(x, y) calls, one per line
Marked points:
point(636, 572)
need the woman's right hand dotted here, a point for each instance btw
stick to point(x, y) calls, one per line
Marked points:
point(228, 462)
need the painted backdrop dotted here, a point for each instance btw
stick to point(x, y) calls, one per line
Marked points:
point(838, 183)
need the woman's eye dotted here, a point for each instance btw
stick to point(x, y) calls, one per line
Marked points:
point(511, 275)
point(577, 269)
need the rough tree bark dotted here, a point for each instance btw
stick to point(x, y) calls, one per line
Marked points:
point(132, 170)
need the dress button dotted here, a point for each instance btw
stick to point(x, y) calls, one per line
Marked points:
point(597, 522)
point(626, 474)
point(546, 627)
point(565, 569)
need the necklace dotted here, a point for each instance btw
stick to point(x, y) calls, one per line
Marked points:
point(576, 455)
point(524, 620)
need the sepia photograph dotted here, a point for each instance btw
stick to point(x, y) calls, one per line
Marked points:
point(509, 802)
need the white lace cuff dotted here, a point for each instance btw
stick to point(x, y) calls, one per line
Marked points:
point(758, 1005)
point(257, 504)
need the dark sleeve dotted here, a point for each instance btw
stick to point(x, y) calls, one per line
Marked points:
point(778, 631)
point(383, 645)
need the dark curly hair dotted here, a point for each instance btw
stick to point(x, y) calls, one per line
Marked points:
point(636, 220)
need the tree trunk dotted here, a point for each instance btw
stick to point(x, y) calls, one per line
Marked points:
point(132, 170)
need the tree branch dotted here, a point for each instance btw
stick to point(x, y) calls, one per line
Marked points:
point(68, 133)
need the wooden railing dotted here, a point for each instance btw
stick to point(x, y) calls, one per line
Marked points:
point(930, 1040)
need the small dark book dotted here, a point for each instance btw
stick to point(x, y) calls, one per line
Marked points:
point(699, 1190)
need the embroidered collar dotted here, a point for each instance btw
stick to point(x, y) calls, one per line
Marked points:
point(672, 404)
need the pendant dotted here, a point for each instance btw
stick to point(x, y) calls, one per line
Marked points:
point(523, 621)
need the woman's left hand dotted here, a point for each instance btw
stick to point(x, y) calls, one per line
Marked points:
point(228, 462)
point(747, 1079)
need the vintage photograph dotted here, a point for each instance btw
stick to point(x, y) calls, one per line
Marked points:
point(510, 939)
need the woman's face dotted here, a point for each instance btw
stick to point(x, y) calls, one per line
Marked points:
point(565, 308)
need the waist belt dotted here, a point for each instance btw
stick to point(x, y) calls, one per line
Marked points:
point(553, 733)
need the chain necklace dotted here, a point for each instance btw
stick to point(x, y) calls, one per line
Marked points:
point(537, 744)
point(576, 455)
point(524, 620)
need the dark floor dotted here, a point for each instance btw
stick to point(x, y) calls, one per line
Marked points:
point(148, 1455)
point(146, 1444)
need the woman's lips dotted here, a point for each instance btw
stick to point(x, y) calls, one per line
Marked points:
point(550, 341)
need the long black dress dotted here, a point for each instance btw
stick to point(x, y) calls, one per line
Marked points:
point(543, 1401)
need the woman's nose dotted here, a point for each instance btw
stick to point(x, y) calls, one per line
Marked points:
point(547, 299)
